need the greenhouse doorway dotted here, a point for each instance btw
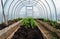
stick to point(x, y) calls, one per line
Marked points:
point(29, 11)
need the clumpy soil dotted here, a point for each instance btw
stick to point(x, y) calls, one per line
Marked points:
point(2, 26)
point(11, 22)
point(23, 33)
point(57, 26)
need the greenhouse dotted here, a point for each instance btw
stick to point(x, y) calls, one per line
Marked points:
point(29, 19)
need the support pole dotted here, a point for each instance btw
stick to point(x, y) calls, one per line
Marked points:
point(5, 20)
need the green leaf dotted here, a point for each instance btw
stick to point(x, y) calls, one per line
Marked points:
point(29, 22)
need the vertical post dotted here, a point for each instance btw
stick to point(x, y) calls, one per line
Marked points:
point(3, 13)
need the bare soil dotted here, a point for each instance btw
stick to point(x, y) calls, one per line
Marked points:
point(3, 25)
point(30, 33)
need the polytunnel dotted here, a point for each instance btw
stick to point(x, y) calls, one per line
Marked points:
point(30, 19)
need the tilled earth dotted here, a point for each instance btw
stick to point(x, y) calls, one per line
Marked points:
point(30, 33)
point(3, 25)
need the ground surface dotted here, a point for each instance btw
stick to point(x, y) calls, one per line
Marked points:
point(24, 33)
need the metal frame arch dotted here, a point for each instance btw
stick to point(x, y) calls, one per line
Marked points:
point(49, 9)
point(35, 4)
point(5, 3)
point(15, 4)
point(10, 5)
point(44, 6)
point(41, 8)
point(55, 10)
point(20, 8)
point(15, 13)
point(38, 8)
point(54, 5)
point(9, 8)
point(16, 7)
point(21, 5)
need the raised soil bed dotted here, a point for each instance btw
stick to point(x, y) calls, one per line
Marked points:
point(23, 33)
point(3, 25)
point(57, 25)
point(7, 32)
point(50, 23)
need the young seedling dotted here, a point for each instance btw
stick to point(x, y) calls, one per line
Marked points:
point(29, 22)
point(54, 23)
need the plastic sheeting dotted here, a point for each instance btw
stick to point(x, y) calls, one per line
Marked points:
point(41, 9)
